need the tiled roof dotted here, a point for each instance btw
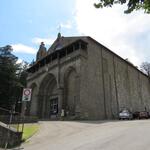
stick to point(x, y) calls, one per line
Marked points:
point(61, 42)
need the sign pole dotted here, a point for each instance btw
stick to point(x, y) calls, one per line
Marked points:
point(26, 96)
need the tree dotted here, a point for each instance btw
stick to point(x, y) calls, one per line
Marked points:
point(131, 4)
point(22, 82)
point(145, 67)
point(12, 77)
point(7, 75)
point(23, 73)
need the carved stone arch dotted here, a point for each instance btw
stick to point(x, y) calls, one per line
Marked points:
point(47, 80)
point(47, 92)
point(71, 92)
point(34, 100)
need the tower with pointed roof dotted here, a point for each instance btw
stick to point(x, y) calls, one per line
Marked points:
point(41, 52)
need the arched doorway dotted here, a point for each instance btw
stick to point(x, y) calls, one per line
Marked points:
point(48, 97)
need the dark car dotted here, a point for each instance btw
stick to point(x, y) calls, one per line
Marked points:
point(143, 115)
point(125, 114)
point(136, 115)
point(148, 114)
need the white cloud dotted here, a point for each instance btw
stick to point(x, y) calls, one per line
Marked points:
point(67, 25)
point(127, 35)
point(47, 41)
point(20, 48)
point(19, 61)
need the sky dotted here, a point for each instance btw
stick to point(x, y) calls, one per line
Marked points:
point(24, 24)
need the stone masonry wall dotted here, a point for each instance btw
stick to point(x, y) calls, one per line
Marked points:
point(14, 136)
point(91, 84)
point(108, 84)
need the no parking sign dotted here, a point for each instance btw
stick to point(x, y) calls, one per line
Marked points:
point(26, 96)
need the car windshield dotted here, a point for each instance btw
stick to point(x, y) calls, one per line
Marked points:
point(143, 112)
point(125, 111)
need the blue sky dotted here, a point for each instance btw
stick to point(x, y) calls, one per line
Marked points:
point(26, 23)
point(24, 20)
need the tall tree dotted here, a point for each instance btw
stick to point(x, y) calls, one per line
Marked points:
point(22, 82)
point(131, 4)
point(145, 67)
point(12, 77)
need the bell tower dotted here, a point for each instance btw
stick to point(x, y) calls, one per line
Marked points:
point(41, 52)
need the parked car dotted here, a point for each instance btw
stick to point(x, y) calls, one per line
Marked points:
point(136, 115)
point(148, 114)
point(125, 114)
point(143, 115)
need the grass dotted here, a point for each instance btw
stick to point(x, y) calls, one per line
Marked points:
point(29, 130)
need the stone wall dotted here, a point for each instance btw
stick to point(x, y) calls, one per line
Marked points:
point(105, 82)
point(14, 136)
point(109, 83)
point(91, 84)
point(60, 71)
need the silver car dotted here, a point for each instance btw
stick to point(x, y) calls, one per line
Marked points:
point(125, 114)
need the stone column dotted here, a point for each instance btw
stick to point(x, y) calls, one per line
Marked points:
point(47, 106)
point(60, 99)
point(43, 106)
point(40, 109)
point(34, 105)
point(77, 101)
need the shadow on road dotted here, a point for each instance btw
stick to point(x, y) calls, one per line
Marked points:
point(98, 121)
point(83, 121)
point(18, 148)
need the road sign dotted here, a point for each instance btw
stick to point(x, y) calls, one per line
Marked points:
point(26, 96)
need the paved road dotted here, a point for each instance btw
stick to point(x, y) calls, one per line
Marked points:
point(98, 135)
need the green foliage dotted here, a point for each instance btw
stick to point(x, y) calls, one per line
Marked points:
point(131, 4)
point(12, 77)
point(23, 73)
point(8, 78)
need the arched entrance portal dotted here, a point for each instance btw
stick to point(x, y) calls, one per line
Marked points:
point(48, 97)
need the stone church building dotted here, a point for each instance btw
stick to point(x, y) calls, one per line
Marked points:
point(79, 78)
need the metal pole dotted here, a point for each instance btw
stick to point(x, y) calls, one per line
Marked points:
point(22, 127)
point(23, 117)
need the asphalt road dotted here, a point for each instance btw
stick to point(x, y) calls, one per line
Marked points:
point(96, 135)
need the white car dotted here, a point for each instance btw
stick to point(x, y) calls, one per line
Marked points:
point(125, 114)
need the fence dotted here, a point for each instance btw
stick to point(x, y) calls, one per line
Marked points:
point(16, 117)
point(9, 136)
point(11, 126)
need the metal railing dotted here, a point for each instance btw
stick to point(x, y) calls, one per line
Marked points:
point(6, 116)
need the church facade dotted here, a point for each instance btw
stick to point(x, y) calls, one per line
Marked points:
point(79, 78)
